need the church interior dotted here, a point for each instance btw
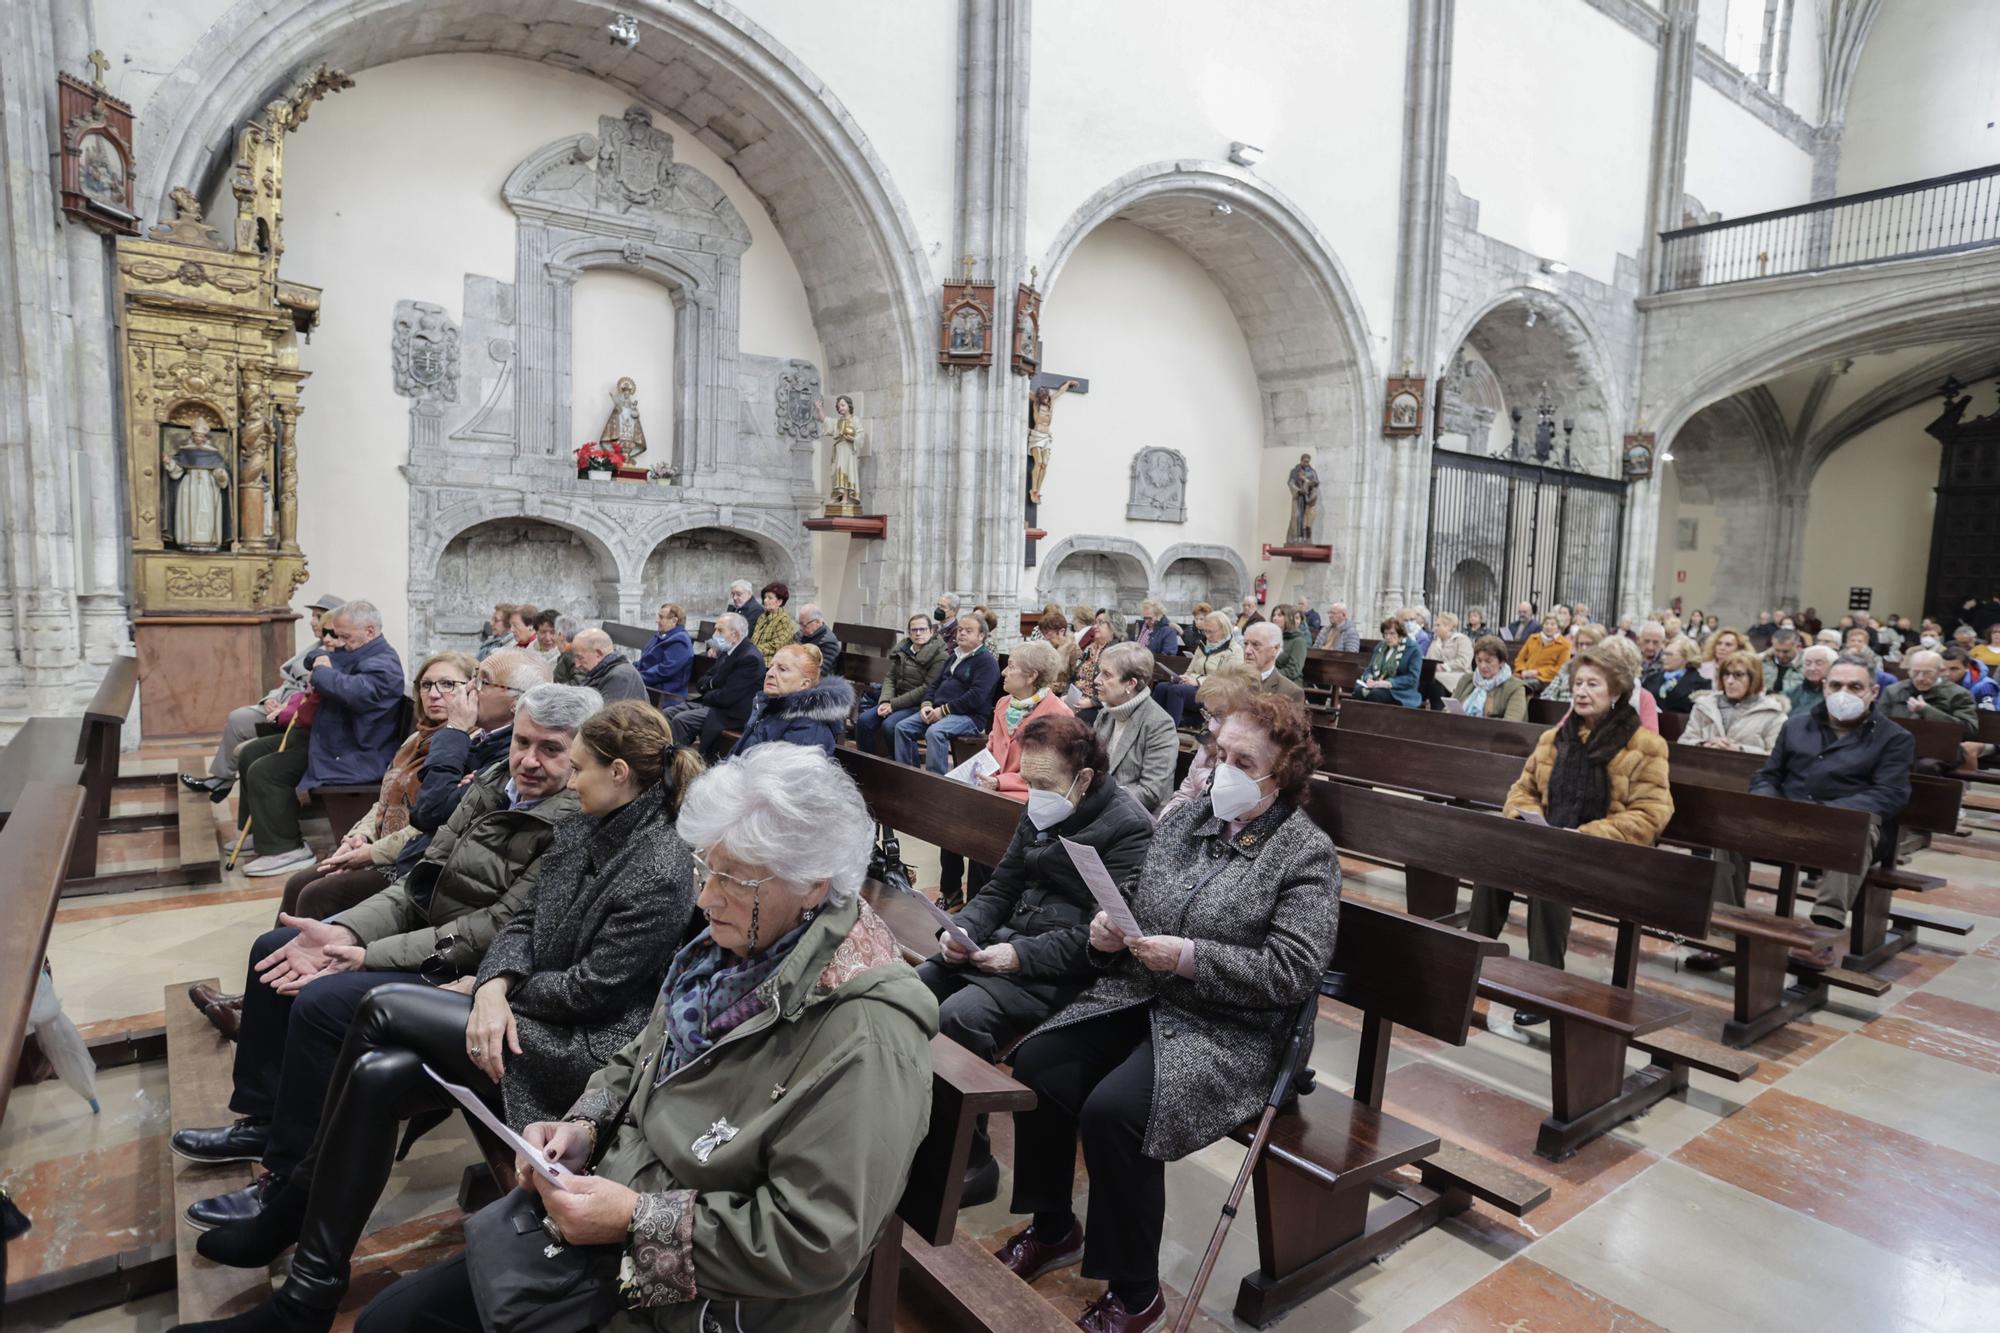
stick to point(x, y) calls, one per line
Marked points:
point(1366, 388)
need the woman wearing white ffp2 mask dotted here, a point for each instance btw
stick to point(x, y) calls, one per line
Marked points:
point(1031, 919)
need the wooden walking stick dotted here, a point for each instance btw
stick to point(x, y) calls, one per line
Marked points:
point(1289, 1071)
point(248, 820)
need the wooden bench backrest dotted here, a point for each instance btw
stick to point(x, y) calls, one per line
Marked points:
point(628, 636)
point(1935, 740)
point(35, 848)
point(975, 823)
point(1793, 832)
point(1989, 727)
point(1339, 671)
point(1421, 724)
point(863, 669)
point(867, 638)
point(1646, 886)
point(43, 750)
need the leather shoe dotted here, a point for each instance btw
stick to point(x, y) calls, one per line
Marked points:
point(225, 1011)
point(1027, 1258)
point(235, 1206)
point(1699, 961)
point(243, 1141)
point(1107, 1314)
point(255, 1241)
point(204, 785)
point(982, 1184)
point(1528, 1018)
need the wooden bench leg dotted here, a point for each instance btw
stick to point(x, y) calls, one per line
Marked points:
point(875, 1303)
point(1430, 894)
point(1872, 941)
point(1591, 1091)
point(1763, 1002)
point(1309, 1236)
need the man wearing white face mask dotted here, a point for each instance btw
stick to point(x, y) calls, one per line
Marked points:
point(1032, 917)
point(727, 691)
point(1839, 752)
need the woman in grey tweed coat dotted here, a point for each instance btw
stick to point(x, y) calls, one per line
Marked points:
point(1179, 1039)
point(568, 982)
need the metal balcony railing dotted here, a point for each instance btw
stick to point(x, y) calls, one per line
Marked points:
point(1927, 217)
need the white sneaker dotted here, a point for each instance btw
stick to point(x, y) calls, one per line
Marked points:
point(279, 863)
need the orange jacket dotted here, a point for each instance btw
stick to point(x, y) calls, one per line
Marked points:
point(1540, 658)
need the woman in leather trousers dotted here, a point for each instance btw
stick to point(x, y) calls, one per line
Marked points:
point(562, 989)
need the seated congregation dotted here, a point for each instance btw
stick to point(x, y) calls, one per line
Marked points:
point(620, 901)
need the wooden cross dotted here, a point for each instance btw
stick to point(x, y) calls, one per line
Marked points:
point(98, 65)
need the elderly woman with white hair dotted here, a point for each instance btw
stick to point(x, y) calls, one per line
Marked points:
point(1140, 738)
point(740, 1157)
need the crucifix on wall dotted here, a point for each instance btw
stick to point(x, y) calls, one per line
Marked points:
point(1043, 390)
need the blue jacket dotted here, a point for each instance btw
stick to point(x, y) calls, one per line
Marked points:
point(665, 664)
point(816, 715)
point(969, 687)
point(454, 754)
point(1867, 769)
point(360, 718)
point(1403, 679)
point(1164, 640)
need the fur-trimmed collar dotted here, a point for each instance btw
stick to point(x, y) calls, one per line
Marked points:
point(831, 700)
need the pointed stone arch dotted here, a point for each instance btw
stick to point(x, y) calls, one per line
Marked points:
point(1564, 346)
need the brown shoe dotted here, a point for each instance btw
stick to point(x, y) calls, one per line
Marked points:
point(225, 1011)
point(1107, 1314)
point(1027, 1258)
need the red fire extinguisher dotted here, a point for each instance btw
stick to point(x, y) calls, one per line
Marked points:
point(1261, 586)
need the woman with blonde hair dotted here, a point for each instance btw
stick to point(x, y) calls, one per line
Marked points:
point(1218, 646)
point(1677, 679)
point(1157, 629)
point(1737, 714)
point(1451, 649)
point(1221, 692)
point(1721, 645)
point(1587, 636)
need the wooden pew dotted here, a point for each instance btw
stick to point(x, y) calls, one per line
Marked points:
point(97, 750)
point(1331, 673)
point(44, 750)
point(35, 848)
point(866, 639)
point(1762, 827)
point(1936, 741)
point(632, 638)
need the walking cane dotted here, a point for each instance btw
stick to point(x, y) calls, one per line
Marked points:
point(1289, 1071)
point(248, 820)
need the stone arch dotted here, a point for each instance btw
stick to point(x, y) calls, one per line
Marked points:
point(1732, 463)
point(1227, 577)
point(696, 562)
point(1307, 336)
point(1106, 571)
point(1563, 347)
point(860, 258)
point(1899, 393)
point(1472, 582)
point(543, 559)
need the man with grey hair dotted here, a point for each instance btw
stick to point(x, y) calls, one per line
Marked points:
point(1652, 647)
point(603, 668)
point(1342, 634)
point(814, 630)
point(944, 615)
point(431, 927)
point(252, 720)
point(735, 678)
point(1261, 645)
point(1928, 697)
point(353, 736)
point(743, 600)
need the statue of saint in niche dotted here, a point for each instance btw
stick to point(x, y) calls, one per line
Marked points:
point(844, 434)
point(1041, 443)
point(1304, 486)
point(622, 427)
point(197, 475)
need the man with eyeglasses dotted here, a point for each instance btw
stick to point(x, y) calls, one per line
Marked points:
point(1841, 752)
point(814, 630)
point(478, 728)
point(914, 665)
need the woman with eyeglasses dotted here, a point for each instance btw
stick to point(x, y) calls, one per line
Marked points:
point(1737, 714)
point(561, 990)
point(914, 664)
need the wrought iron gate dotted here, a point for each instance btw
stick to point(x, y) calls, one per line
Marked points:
point(1503, 532)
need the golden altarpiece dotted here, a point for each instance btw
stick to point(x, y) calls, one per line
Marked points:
point(208, 340)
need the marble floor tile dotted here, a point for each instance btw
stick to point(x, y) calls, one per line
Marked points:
point(1910, 1196)
point(1950, 1029)
point(90, 1206)
point(1972, 980)
point(123, 906)
point(1522, 1296)
point(47, 1120)
point(1923, 1095)
point(1687, 1251)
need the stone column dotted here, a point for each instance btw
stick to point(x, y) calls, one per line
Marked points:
point(1673, 92)
point(1788, 551)
point(1419, 270)
point(986, 409)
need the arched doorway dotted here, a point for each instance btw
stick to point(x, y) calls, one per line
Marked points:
point(516, 559)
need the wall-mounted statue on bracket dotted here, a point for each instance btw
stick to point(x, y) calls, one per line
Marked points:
point(197, 475)
point(843, 434)
point(1303, 482)
point(622, 426)
point(1041, 442)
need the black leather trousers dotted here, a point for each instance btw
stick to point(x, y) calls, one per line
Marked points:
point(379, 1083)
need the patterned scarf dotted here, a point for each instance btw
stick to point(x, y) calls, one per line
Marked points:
point(709, 992)
point(1475, 702)
point(404, 776)
point(1020, 708)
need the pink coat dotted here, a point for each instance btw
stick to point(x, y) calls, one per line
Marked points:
point(1005, 746)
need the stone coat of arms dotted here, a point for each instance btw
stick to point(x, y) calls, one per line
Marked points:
point(798, 387)
point(635, 161)
point(423, 349)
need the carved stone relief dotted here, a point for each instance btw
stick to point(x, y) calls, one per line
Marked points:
point(423, 350)
point(1159, 486)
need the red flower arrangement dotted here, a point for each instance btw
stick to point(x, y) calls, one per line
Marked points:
point(594, 457)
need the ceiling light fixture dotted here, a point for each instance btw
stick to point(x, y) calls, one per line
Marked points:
point(1245, 154)
point(1554, 267)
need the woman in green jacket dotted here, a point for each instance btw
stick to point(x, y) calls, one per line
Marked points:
point(1292, 655)
point(760, 1129)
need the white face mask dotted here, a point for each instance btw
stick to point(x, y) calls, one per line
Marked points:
point(1046, 809)
point(1844, 707)
point(1411, 628)
point(720, 644)
point(1233, 792)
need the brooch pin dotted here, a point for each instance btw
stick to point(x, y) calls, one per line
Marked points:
point(718, 1134)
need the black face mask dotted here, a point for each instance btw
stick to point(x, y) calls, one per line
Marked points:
point(937, 614)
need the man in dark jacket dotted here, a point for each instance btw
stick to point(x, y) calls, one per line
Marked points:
point(958, 703)
point(1162, 639)
point(743, 601)
point(353, 736)
point(913, 665)
point(727, 691)
point(1840, 752)
point(814, 630)
point(1928, 696)
point(601, 667)
point(308, 978)
point(1031, 919)
point(797, 704)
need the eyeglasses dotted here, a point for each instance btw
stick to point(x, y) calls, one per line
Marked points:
point(1736, 675)
point(484, 684)
point(709, 872)
point(441, 686)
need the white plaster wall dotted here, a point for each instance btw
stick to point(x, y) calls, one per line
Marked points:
point(383, 202)
point(1801, 85)
point(1551, 117)
point(144, 40)
point(1168, 367)
point(1926, 96)
point(1318, 84)
point(1737, 165)
point(894, 67)
point(1868, 522)
point(622, 324)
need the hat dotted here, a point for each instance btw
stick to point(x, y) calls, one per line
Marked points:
point(327, 603)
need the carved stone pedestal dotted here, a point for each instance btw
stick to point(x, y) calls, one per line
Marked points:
point(194, 669)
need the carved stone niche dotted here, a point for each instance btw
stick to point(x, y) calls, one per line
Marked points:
point(1159, 486)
